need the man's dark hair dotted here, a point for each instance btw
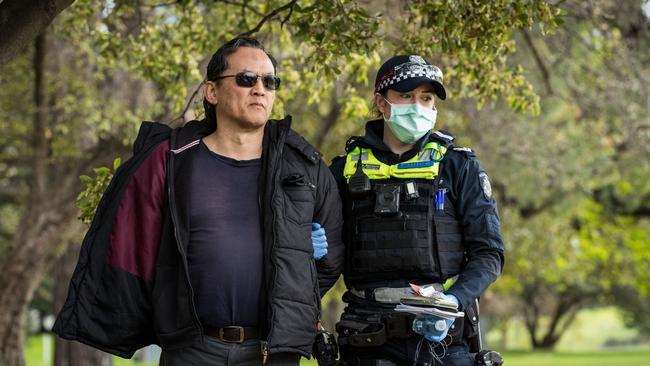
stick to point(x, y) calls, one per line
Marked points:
point(219, 63)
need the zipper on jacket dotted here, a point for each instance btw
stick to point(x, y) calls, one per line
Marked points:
point(265, 351)
point(172, 204)
point(276, 178)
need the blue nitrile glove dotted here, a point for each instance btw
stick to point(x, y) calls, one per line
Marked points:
point(433, 328)
point(318, 240)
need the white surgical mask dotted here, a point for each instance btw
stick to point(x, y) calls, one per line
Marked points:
point(409, 122)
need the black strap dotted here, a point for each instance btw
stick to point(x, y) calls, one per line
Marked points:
point(234, 334)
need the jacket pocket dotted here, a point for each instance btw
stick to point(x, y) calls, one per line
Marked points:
point(299, 198)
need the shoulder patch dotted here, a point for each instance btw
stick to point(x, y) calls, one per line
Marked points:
point(485, 184)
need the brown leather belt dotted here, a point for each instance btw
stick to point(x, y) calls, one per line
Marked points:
point(232, 333)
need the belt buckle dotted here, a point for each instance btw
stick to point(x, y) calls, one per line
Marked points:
point(235, 327)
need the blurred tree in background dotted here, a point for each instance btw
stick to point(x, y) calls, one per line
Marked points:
point(561, 122)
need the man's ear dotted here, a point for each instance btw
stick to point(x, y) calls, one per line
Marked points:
point(210, 92)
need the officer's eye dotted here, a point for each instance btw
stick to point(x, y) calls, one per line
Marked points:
point(427, 98)
point(405, 96)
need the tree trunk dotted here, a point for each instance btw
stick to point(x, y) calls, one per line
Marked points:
point(68, 353)
point(560, 308)
point(329, 120)
point(49, 211)
point(22, 20)
point(22, 270)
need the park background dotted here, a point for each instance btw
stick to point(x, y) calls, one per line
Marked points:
point(553, 96)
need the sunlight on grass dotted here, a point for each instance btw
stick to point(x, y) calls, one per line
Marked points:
point(592, 330)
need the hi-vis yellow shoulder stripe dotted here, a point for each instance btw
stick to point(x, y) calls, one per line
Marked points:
point(424, 165)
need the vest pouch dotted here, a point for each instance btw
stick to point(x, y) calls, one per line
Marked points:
point(471, 330)
point(449, 239)
point(358, 331)
point(456, 331)
point(391, 246)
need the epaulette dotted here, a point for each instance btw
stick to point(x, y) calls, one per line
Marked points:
point(465, 151)
point(301, 145)
point(352, 142)
point(442, 136)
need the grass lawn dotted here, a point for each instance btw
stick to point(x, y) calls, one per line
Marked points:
point(599, 358)
point(634, 357)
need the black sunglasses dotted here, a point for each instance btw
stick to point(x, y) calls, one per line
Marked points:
point(248, 79)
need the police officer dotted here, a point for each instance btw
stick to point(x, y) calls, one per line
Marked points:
point(418, 210)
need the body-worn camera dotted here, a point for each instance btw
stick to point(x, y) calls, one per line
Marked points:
point(325, 349)
point(387, 199)
point(487, 357)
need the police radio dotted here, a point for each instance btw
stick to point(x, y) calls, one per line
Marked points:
point(359, 183)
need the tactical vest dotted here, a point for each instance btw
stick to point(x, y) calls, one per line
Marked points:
point(397, 232)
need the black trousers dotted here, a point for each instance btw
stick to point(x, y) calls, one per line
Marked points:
point(404, 352)
point(214, 352)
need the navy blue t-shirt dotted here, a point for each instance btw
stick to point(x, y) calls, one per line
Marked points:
point(225, 249)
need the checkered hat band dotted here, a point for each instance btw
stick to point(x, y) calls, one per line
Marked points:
point(404, 76)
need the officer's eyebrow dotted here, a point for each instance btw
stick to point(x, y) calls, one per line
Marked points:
point(429, 91)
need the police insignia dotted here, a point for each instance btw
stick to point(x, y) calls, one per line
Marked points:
point(485, 185)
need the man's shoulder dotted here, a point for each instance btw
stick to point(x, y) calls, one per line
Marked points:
point(190, 133)
point(301, 146)
point(150, 133)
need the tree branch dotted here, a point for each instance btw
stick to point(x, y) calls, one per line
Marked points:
point(244, 5)
point(22, 20)
point(287, 17)
point(39, 139)
point(538, 60)
point(162, 5)
point(329, 121)
point(188, 104)
point(269, 16)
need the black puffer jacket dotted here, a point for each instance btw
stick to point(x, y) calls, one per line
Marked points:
point(131, 286)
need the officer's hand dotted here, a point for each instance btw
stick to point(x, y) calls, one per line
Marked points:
point(432, 327)
point(318, 240)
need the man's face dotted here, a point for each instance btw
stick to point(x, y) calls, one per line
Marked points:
point(246, 107)
point(423, 94)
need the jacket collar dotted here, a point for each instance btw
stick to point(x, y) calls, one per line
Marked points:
point(275, 132)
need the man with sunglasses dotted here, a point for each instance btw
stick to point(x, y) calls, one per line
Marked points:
point(209, 240)
point(420, 219)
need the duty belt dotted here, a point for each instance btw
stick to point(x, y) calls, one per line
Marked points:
point(389, 295)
